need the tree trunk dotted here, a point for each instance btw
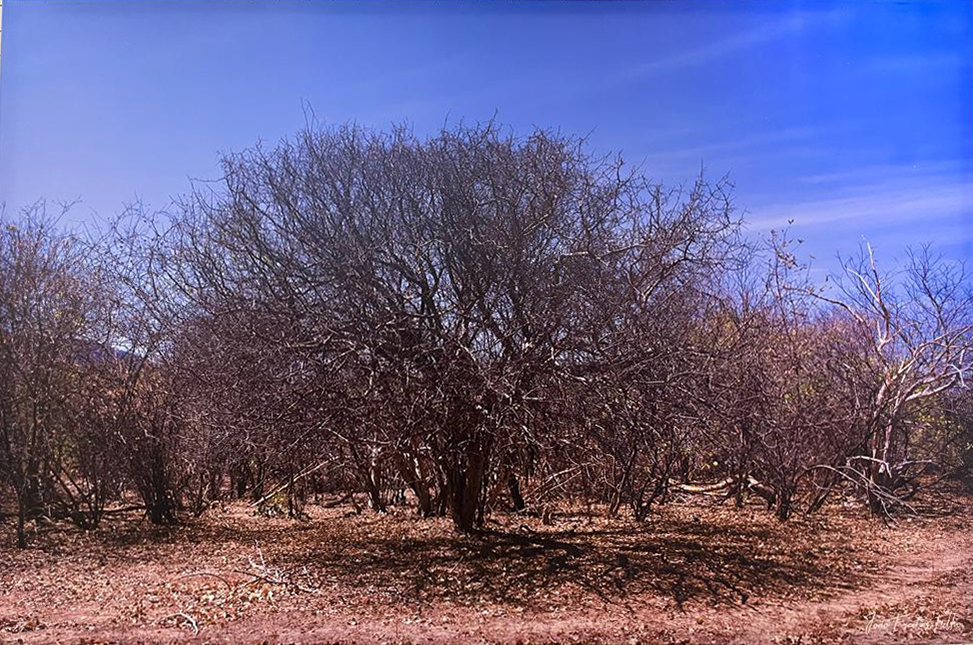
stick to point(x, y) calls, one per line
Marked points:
point(374, 482)
point(465, 487)
point(879, 476)
point(876, 504)
point(513, 484)
point(21, 517)
point(411, 471)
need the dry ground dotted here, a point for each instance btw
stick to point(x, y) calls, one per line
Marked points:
point(696, 572)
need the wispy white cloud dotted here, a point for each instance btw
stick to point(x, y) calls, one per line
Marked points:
point(899, 199)
point(738, 145)
point(790, 25)
point(924, 171)
point(759, 149)
point(919, 62)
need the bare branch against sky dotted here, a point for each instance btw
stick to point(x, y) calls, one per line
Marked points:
point(109, 102)
point(360, 321)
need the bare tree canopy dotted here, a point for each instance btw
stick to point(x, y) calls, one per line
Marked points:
point(464, 322)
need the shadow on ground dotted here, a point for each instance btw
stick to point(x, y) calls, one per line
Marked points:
point(678, 560)
point(699, 555)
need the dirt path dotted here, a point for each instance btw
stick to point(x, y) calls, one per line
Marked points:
point(926, 595)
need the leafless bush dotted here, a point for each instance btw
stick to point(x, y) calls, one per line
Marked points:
point(479, 319)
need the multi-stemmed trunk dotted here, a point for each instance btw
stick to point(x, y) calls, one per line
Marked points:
point(465, 483)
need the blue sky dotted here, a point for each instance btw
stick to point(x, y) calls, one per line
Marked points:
point(854, 119)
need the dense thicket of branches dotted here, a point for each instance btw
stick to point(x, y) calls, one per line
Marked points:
point(465, 322)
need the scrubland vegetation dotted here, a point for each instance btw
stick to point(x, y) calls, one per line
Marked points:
point(534, 368)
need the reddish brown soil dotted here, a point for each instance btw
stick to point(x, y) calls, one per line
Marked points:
point(695, 572)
